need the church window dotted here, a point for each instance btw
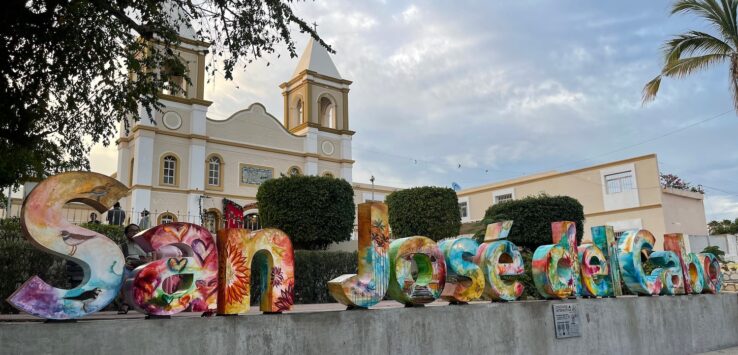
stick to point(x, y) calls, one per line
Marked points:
point(167, 217)
point(328, 112)
point(294, 171)
point(130, 175)
point(300, 116)
point(169, 170)
point(214, 168)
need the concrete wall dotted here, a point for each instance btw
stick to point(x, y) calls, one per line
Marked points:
point(629, 325)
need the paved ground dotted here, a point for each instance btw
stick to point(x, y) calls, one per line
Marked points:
point(731, 351)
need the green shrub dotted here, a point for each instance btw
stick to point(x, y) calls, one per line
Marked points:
point(532, 217)
point(314, 211)
point(714, 250)
point(313, 270)
point(19, 261)
point(428, 211)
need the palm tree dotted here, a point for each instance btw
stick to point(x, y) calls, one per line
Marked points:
point(695, 50)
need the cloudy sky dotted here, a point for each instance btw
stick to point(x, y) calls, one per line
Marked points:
point(504, 89)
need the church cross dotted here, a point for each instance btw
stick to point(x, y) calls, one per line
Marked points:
point(315, 26)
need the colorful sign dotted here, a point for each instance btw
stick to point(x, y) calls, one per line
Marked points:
point(193, 272)
point(46, 228)
point(270, 252)
point(369, 286)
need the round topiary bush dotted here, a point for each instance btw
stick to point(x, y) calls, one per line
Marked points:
point(314, 211)
point(428, 211)
point(532, 217)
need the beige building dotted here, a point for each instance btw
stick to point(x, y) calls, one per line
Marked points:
point(625, 194)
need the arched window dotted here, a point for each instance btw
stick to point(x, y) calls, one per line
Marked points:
point(211, 220)
point(328, 112)
point(294, 171)
point(214, 169)
point(167, 217)
point(169, 170)
point(299, 110)
point(130, 175)
point(328, 174)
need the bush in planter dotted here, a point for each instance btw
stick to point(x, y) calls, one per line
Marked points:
point(532, 217)
point(314, 211)
point(429, 211)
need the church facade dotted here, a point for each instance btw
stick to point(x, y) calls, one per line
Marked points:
point(186, 167)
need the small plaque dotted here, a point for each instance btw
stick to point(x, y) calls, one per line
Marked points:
point(566, 320)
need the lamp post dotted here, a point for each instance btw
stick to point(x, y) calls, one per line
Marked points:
point(372, 180)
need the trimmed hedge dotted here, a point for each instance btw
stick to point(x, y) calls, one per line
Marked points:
point(314, 211)
point(19, 261)
point(313, 270)
point(428, 211)
point(532, 217)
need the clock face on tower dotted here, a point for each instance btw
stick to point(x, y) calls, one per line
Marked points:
point(172, 120)
point(327, 148)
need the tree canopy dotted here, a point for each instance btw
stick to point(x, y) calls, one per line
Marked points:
point(66, 67)
point(693, 51)
point(725, 226)
point(675, 182)
point(428, 211)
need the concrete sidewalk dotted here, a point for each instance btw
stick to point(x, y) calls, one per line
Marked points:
point(728, 351)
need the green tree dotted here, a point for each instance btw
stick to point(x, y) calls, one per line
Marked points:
point(314, 211)
point(715, 250)
point(692, 51)
point(725, 226)
point(428, 211)
point(532, 217)
point(66, 67)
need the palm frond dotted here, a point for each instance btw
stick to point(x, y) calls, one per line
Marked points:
point(720, 18)
point(686, 66)
point(651, 89)
point(694, 42)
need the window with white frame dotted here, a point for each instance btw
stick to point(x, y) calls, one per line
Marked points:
point(464, 209)
point(214, 165)
point(619, 182)
point(503, 198)
point(169, 170)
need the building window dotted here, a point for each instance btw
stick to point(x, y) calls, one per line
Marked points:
point(169, 170)
point(300, 117)
point(328, 112)
point(130, 175)
point(211, 221)
point(294, 171)
point(464, 209)
point(214, 168)
point(328, 174)
point(619, 182)
point(167, 217)
point(503, 198)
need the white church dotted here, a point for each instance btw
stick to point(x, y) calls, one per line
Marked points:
point(185, 166)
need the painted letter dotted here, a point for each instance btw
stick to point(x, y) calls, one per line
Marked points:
point(713, 277)
point(465, 280)
point(44, 225)
point(269, 250)
point(431, 265)
point(553, 265)
point(670, 271)
point(633, 245)
point(691, 269)
point(499, 257)
point(197, 270)
point(595, 272)
point(369, 286)
point(604, 238)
